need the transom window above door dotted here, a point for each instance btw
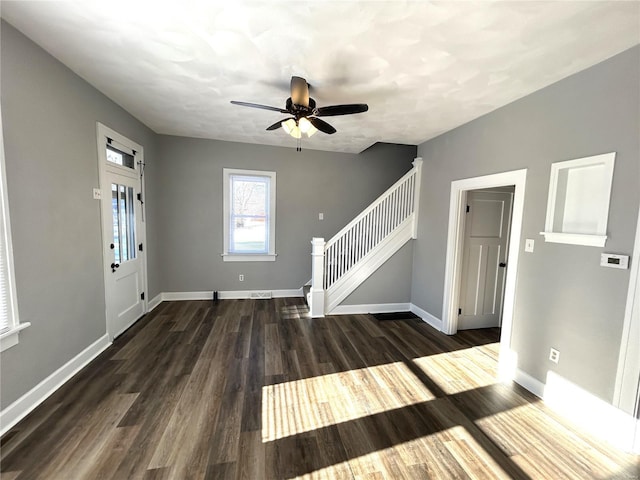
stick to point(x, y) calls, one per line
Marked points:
point(249, 215)
point(120, 155)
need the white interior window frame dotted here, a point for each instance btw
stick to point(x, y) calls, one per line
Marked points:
point(271, 255)
point(9, 337)
point(597, 238)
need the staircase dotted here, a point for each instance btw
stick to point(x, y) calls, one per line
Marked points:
point(342, 263)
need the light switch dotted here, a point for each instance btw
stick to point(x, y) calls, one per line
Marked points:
point(321, 216)
point(97, 194)
point(528, 245)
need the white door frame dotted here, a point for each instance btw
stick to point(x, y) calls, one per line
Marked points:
point(103, 133)
point(453, 265)
point(627, 388)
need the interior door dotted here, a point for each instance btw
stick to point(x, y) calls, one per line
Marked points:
point(123, 234)
point(484, 265)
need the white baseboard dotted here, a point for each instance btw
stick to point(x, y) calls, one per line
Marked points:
point(369, 308)
point(591, 413)
point(534, 385)
point(177, 296)
point(242, 294)
point(588, 412)
point(432, 320)
point(38, 394)
point(225, 295)
point(154, 302)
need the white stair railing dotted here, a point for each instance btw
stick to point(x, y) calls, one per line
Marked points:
point(363, 237)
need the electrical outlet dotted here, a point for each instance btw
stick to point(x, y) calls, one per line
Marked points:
point(321, 216)
point(241, 277)
point(554, 355)
point(97, 194)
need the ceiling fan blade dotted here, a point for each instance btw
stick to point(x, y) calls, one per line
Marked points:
point(278, 124)
point(255, 105)
point(348, 109)
point(321, 125)
point(299, 91)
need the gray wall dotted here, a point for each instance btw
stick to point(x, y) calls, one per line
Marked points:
point(391, 283)
point(49, 117)
point(308, 182)
point(563, 298)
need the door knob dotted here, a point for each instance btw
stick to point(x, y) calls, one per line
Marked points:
point(502, 264)
point(114, 266)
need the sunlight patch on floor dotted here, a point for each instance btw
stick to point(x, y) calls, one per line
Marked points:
point(409, 460)
point(292, 408)
point(459, 371)
point(290, 312)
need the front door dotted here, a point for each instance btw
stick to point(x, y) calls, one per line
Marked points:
point(486, 234)
point(123, 230)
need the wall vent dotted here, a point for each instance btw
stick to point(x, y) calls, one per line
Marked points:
point(261, 294)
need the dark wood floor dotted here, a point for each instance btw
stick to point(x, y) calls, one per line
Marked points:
point(255, 389)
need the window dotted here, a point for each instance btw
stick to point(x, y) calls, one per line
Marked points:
point(249, 215)
point(9, 325)
point(119, 156)
point(578, 205)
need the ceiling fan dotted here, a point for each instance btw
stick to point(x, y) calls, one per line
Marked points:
point(304, 113)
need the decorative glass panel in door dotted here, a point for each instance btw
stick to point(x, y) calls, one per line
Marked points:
point(124, 222)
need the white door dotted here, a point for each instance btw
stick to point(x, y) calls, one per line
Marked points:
point(486, 234)
point(123, 230)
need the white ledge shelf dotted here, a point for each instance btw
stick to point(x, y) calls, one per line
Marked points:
point(10, 338)
point(575, 239)
point(249, 257)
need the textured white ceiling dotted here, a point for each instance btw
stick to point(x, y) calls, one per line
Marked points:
point(423, 67)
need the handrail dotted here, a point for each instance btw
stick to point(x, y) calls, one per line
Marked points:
point(376, 202)
point(360, 236)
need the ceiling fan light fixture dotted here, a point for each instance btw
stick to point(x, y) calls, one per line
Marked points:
point(304, 115)
point(291, 127)
point(307, 127)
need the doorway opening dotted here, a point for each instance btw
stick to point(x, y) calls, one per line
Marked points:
point(485, 247)
point(455, 255)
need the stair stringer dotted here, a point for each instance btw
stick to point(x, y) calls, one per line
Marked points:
point(362, 270)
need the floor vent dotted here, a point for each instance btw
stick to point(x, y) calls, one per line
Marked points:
point(261, 294)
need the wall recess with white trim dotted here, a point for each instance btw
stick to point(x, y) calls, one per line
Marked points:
point(578, 204)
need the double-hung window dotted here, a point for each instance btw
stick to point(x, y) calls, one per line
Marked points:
point(9, 324)
point(249, 215)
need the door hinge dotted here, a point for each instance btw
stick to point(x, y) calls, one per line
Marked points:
point(142, 296)
point(459, 311)
point(139, 195)
point(140, 247)
point(467, 208)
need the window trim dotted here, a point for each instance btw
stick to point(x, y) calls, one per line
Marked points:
point(558, 198)
point(8, 338)
point(226, 191)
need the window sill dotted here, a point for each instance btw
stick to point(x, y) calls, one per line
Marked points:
point(10, 338)
point(257, 257)
point(575, 239)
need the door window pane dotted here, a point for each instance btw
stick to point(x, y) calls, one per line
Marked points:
point(123, 212)
point(119, 157)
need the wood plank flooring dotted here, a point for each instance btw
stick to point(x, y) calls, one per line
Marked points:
point(254, 389)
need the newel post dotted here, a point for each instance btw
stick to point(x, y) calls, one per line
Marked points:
point(316, 295)
point(417, 164)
